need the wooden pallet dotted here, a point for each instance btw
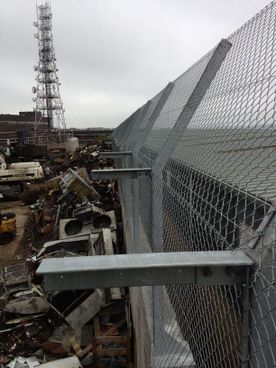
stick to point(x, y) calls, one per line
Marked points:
point(100, 349)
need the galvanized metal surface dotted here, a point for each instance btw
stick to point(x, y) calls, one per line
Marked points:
point(48, 99)
point(114, 155)
point(114, 174)
point(204, 268)
point(147, 260)
point(213, 187)
point(197, 94)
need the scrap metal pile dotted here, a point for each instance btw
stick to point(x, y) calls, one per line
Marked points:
point(71, 217)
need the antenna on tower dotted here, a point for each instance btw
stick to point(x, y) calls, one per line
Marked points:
point(49, 105)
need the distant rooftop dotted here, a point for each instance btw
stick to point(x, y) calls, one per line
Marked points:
point(22, 116)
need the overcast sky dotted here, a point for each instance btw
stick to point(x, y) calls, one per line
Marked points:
point(112, 55)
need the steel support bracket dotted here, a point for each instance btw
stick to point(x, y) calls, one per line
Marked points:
point(114, 155)
point(114, 174)
point(145, 269)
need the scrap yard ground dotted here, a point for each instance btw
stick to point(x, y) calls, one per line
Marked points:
point(14, 250)
point(66, 214)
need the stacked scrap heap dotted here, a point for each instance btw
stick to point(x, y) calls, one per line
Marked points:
point(68, 216)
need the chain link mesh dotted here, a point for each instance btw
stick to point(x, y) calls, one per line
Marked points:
point(210, 140)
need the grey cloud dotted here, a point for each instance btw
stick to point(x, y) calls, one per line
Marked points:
point(112, 55)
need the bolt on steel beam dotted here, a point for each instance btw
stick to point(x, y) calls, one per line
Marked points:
point(145, 269)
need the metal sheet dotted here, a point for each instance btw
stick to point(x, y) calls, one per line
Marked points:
point(72, 362)
point(86, 310)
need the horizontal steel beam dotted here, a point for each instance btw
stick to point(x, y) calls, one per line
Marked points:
point(120, 154)
point(202, 268)
point(113, 174)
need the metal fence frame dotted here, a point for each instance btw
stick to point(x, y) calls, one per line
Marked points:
point(210, 139)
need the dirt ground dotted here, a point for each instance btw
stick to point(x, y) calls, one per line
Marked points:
point(13, 251)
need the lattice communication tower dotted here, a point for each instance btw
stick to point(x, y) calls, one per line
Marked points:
point(48, 101)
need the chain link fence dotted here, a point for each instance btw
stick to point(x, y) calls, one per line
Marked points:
point(210, 139)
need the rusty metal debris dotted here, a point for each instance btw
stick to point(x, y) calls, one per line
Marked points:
point(76, 328)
